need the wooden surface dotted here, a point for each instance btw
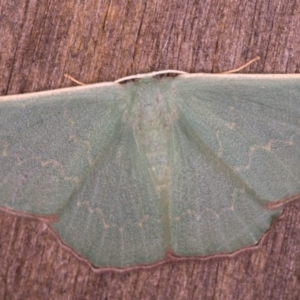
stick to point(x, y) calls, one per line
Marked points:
point(103, 40)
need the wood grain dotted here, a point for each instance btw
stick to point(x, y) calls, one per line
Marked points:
point(104, 40)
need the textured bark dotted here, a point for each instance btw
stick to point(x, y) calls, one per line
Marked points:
point(104, 40)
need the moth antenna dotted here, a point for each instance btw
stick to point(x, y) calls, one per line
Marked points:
point(242, 67)
point(138, 76)
point(73, 79)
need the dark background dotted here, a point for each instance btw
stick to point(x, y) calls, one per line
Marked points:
point(103, 40)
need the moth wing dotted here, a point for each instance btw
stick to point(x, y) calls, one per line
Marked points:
point(69, 153)
point(236, 148)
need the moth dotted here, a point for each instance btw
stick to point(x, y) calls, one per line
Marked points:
point(129, 173)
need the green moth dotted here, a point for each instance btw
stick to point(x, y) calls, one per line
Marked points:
point(130, 173)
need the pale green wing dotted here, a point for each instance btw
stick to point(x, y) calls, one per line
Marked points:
point(236, 146)
point(68, 153)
